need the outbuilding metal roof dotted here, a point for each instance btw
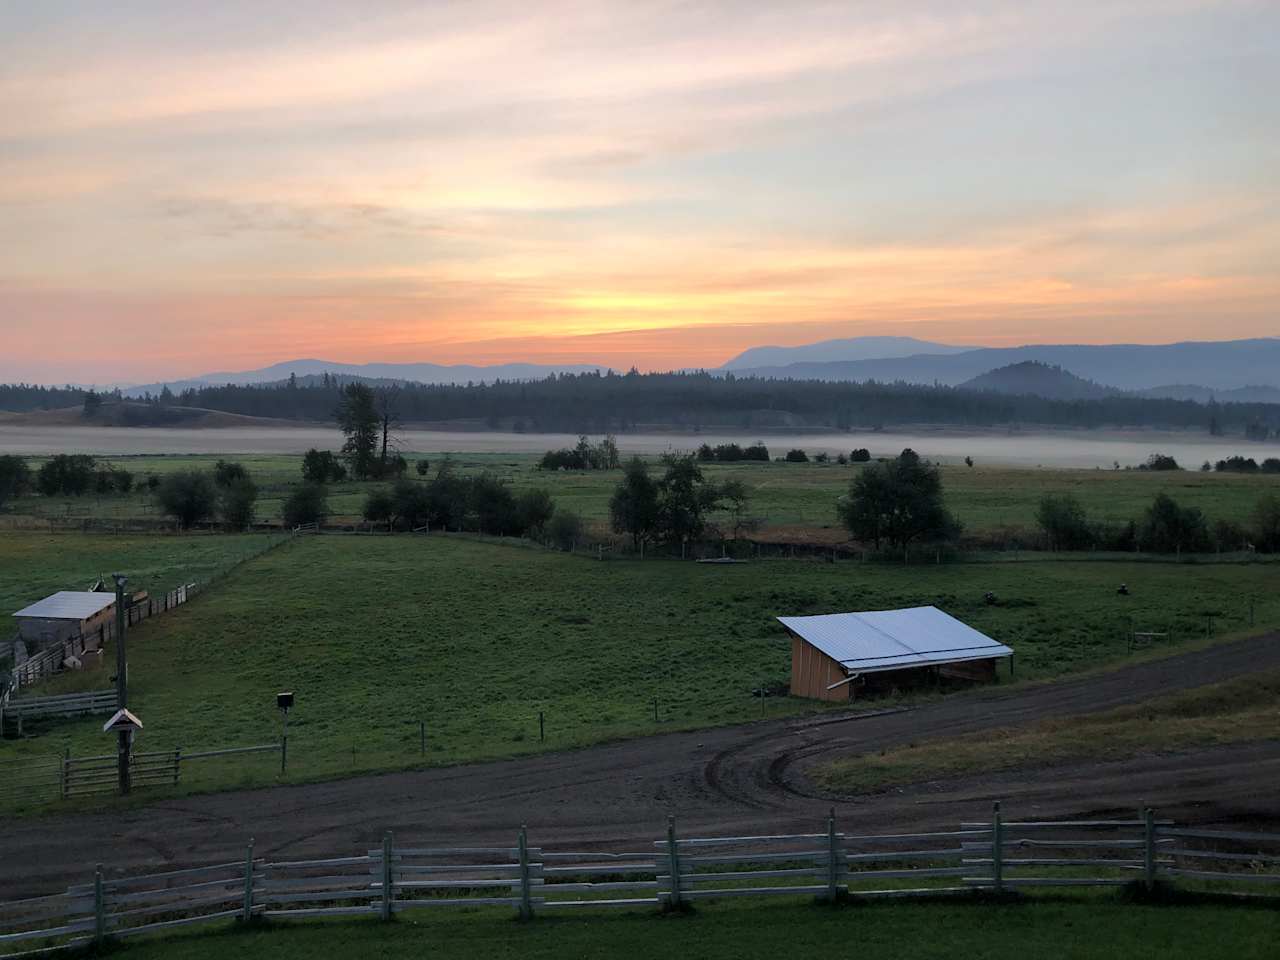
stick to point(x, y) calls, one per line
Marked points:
point(68, 605)
point(894, 639)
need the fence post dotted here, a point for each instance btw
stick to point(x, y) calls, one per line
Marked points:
point(673, 863)
point(1149, 849)
point(66, 769)
point(177, 763)
point(833, 858)
point(99, 908)
point(997, 849)
point(526, 898)
point(246, 913)
point(387, 889)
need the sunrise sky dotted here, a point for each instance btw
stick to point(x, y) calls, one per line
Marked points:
point(191, 187)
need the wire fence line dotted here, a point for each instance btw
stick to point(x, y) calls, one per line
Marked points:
point(994, 857)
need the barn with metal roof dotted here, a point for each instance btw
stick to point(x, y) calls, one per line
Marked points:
point(63, 615)
point(833, 655)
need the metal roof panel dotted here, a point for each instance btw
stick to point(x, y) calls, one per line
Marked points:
point(894, 639)
point(68, 605)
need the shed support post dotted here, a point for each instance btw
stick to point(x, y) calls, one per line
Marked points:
point(997, 849)
point(99, 908)
point(674, 899)
point(387, 887)
point(246, 912)
point(526, 893)
point(833, 858)
point(1149, 849)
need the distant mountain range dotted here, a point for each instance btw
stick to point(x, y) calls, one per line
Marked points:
point(1212, 366)
point(415, 372)
point(1230, 370)
point(855, 348)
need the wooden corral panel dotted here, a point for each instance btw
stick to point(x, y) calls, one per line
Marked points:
point(981, 671)
point(812, 671)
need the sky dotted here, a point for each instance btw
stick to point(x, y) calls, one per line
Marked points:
point(188, 187)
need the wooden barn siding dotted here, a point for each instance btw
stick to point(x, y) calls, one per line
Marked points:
point(812, 671)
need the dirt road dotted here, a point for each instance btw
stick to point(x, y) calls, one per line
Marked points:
point(745, 778)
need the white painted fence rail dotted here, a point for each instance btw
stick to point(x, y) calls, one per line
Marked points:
point(390, 879)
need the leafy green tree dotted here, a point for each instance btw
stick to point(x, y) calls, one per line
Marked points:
point(898, 502)
point(1063, 520)
point(565, 528)
point(797, 456)
point(361, 422)
point(68, 475)
point(446, 497)
point(735, 500)
point(492, 505)
point(533, 511)
point(1266, 524)
point(238, 501)
point(15, 478)
point(860, 455)
point(379, 507)
point(225, 473)
point(188, 496)
point(308, 503)
point(684, 499)
point(633, 508)
point(1168, 527)
point(92, 403)
point(321, 466)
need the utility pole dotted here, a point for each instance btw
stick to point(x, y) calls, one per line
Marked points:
point(124, 737)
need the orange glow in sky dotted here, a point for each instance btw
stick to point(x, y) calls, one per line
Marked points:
point(622, 183)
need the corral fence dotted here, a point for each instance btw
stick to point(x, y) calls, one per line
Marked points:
point(63, 777)
point(996, 857)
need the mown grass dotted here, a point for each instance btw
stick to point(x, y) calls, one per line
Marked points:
point(1065, 929)
point(990, 500)
point(1242, 709)
point(375, 634)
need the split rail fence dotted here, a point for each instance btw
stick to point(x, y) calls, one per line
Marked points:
point(996, 856)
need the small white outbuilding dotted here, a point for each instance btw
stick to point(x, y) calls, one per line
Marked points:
point(63, 615)
point(832, 653)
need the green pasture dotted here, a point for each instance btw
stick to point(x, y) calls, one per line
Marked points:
point(377, 633)
point(1074, 928)
point(794, 499)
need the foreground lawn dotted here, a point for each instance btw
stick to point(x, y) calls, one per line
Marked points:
point(1065, 930)
point(375, 634)
point(1247, 708)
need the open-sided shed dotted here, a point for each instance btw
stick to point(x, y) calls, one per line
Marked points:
point(832, 653)
point(64, 615)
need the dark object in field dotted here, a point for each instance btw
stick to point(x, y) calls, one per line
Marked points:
point(989, 599)
point(1123, 590)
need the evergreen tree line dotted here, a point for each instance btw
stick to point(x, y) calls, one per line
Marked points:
point(615, 403)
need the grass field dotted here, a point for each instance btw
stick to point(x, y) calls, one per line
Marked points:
point(988, 499)
point(33, 565)
point(478, 638)
point(1065, 929)
point(1246, 708)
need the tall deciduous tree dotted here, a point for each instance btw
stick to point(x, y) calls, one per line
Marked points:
point(897, 502)
point(633, 508)
point(359, 419)
point(684, 498)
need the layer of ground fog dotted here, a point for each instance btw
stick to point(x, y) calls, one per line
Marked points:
point(390, 643)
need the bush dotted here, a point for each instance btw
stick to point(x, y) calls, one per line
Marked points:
point(153, 482)
point(822, 457)
point(1064, 523)
point(308, 503)
point(565, 528)
point(15, 478)
point(1266, 524)
point(67, 474)
point(585, 456)
point(797, 456)
point(1229, 536)
point(534, 509)
point(225, 473)
point(410, 504)
point(423, 467)
point(493, 505)
point(861, 455)
point(1271, 465)
point(1160, 461)
point(379, 507)
point(108, 479)
point(1168, 527)
point(239, 501)
point(188, 496)
point(1237, 464)
point(321, 466)
point(842, 459)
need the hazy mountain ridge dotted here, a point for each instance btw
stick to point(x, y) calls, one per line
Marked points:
point(1214, 365)
point(853, 348)
point(1033, 378)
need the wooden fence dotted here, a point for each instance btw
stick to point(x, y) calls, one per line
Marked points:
point(996, 856)
point(60, 705)
point(63, 777)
